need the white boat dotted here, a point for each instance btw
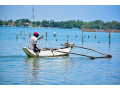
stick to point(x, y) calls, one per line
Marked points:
point(47, 52)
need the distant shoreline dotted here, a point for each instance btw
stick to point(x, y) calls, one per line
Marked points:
point(84, 30)
point(93, 26)
point(101, 30)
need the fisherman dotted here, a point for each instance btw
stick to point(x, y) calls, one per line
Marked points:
point(33, 42)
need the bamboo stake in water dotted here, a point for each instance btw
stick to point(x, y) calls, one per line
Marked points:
point(20, 33)
point(76, 35)
point(88, 36)
point(82, 37)
point(54, 34)
point(95, 35)
point(16, 36)
point(109, 39)
point(46, 35)
point(29, 34)
point(24, 36)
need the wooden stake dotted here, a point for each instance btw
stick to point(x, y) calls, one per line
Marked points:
point(46, 35)
point(20, 33)
point(82, 37)
point(29, 34)
point(67, 39)
point(16, 36)
point(24, 36)
point(95, 35)
point(109, 39)
point(76, 35)
point(88, 36)
point(54, 34)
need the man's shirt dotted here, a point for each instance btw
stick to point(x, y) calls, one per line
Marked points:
point(32, 41)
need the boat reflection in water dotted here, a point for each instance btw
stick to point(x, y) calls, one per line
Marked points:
point(47, 70)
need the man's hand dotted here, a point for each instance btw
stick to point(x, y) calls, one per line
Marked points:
point(38, 49)
point(42, 36)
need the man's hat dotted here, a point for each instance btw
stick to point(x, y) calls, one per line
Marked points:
point(36, 33)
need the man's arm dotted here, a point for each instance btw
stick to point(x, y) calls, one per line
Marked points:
point(40, 37)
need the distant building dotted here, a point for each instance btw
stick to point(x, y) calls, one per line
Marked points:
point(28, 25)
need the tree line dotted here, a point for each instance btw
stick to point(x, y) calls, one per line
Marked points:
point(97, 24)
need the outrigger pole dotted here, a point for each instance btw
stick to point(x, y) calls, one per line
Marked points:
point(93, 50)
point(92, 57)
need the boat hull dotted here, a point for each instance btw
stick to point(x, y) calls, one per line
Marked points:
point(48, 53)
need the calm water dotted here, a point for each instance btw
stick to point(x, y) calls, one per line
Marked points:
point(17, 69)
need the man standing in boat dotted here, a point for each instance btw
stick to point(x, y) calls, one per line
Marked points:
point(33, 42)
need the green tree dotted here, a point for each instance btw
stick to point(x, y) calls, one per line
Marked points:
point(1, 23)
point(99, 24)
point(69, 24)
point(18, 23)
point(79, 24)
point(33, 23)
point(6, 23)
point(118, 26)
point(112, 25)
point(38, 23)
point(45, 23)
point(10, 22)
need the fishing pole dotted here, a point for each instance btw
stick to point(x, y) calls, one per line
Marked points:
point(41, 41)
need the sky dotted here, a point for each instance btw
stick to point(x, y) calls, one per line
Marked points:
point(86, 13)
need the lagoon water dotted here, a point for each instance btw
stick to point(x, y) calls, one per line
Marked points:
point(17, 69)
